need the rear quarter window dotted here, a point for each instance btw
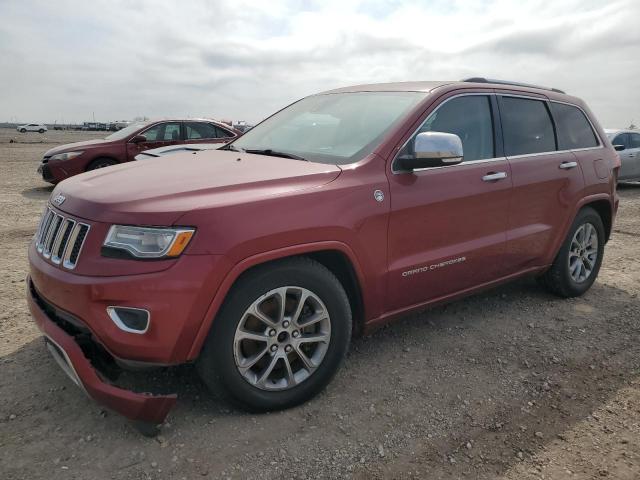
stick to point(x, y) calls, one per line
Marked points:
point(574, 130)
point(526, 126)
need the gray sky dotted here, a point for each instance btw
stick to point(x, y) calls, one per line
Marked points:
point(240, 59)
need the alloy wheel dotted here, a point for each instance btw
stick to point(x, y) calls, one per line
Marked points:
point(282, 338)
point(583, 252)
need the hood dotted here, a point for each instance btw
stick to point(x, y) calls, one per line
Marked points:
point(158, 192)
point(70, 147)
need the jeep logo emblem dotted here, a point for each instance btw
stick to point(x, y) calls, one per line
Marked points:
point(59, 199)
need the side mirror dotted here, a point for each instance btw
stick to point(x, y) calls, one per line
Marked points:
point(619, 148)
point(138, 139)
point(433, 149)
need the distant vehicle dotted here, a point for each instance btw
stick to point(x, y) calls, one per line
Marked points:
point(627, 143)
point(123, 146)
point(171, 149)
point(32, 127)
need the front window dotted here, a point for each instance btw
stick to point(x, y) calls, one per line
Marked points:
point(336, 128)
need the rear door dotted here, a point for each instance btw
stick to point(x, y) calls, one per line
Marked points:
point(447, 227)
point(158, 135)
point(634, 154)
point(547, 182)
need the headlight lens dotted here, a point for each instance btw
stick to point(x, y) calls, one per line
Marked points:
point(149, 242)
point(66, 155)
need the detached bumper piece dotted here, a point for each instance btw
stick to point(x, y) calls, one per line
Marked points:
point(64, 337)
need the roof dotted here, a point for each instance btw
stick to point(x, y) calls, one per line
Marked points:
point(428, 86)
point(391, 87)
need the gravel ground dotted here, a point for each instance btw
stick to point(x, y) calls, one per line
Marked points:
point(513, 384)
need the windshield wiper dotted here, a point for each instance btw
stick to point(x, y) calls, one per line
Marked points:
point(274, 153)
point(232, 148)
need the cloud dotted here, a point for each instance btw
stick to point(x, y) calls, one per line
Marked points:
point(244, 59)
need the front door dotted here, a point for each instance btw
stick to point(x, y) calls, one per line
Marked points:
point(447, 227)
point(158, 135)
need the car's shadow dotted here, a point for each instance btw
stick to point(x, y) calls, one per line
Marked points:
point(38, 193)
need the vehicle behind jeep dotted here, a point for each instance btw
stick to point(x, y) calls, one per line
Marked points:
point(123, 145)
point(259, 261)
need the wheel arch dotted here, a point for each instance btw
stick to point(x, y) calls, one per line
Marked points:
point(337, 257)
point(604, 209)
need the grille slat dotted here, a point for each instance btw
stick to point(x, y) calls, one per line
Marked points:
point(60, 238)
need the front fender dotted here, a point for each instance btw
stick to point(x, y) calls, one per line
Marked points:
point(239, 268)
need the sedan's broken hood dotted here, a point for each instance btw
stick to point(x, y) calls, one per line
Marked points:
point(158, 192)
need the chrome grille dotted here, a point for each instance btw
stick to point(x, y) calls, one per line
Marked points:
point(60, 239)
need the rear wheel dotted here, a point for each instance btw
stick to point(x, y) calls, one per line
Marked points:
point(41, 130)
point(280, 336)
point(101, 163)
point(578, 262)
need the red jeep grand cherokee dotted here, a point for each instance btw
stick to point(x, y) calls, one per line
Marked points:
point(122, 146)
point(344, 210)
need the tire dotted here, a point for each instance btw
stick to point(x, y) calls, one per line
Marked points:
point(23, 130)
point(218, 361)
point(559, 278)
point(101, 163)
point(41, 131)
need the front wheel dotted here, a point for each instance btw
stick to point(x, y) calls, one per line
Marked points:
point(23, 130)
point(578, 262)
point(41, 130)
point(101, 163)
point(280, 336)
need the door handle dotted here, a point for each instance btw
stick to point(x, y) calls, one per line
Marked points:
point(492, 177)
point(568, 165)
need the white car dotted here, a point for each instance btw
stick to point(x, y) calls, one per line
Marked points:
point(627, 143)
point(32, 127)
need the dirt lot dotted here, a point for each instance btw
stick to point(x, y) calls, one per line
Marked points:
point(512, 384)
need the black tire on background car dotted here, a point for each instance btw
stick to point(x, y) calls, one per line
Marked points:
point(41, 130)
point(23, 130)
point(578, 262)
point(269, 354)
point(101, 163)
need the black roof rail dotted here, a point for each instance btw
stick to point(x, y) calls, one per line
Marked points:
point(506, 82)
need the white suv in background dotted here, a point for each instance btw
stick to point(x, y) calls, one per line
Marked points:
point(627, 143)
point(32, 127)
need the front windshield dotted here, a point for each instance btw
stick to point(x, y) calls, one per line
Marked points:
point(335, 128)
point(126, 131)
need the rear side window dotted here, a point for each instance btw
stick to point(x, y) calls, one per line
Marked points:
point(469, 117)
point(197, 130)
point(526, 126)
point(634, 140)
point(574, 130)
point(222, 133)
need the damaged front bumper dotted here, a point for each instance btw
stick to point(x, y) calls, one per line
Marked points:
point(63, 340)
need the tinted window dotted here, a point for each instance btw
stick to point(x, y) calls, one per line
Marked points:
point(634, 140)
point(163, 132)
point(469, 117)
point(573, 127)
point(526, 126)
point(621, 140)
point(197, 130)
point(222, 133)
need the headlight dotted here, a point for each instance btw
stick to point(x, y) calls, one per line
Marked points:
point(149, 242)
point(66, 156)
